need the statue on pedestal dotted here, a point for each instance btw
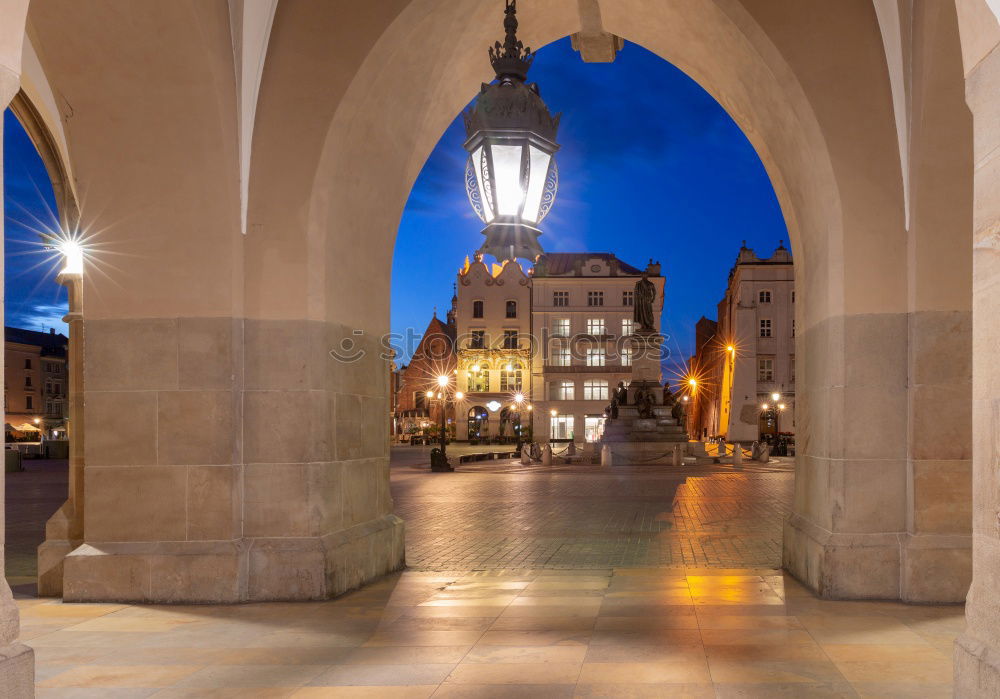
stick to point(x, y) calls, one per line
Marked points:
point(642, 309)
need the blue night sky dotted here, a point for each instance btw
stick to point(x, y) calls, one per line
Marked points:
point(33, 299)
point(650, 166)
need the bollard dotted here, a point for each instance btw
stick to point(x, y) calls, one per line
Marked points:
point(765, 454)
point(525, 455)
point(737, 455)
point(547, 455)
point(678, 457)
point(606, 455)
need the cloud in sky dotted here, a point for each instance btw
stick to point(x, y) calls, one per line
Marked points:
point(650, 166)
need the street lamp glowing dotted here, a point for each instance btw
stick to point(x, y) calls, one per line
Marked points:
point(72, 253)
point(459, 395)
point(764, 406)
point(511, 176)
point(553, 413)
point(474, 368)
point(430, 394)
point(730, 349)
point(781, 406)
point(775, 396)
point(442, 380)
point(693, 383)
point(685, 398)
point(530, 406)
point(37, 420)
point(519, 398)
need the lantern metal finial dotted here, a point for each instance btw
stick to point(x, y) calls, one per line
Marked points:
point(511, 60)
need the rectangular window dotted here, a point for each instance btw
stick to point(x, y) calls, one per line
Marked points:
point(793, 295)
point(560, 298)
point(595, 298)
point(628, 298)
point(512, 309)
point(560, 327)
point(27, 402)
point(510, 339)
point(27, 363)
point(793, 327)
point(626, 356)
point(628, 327)
point(595, 326)
point(563, 390)
point(595, 389)
point(559, 356)
point(561, 427)
point(479, 381)
point(27, 382)
point(765, 369)
point(511, 380)
point(791, 369)
point(765, 327)
point(593, 428)
point(477, 309)
point(595, 357)
point(478, 340)
point(764, 297)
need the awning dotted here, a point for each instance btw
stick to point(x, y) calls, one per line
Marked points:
point(26, 427)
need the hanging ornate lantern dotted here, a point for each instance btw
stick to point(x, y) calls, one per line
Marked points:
point(511, 176)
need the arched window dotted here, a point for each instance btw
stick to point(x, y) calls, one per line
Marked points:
point(479, 422)
point(510, 377)
point(512, 309)
point(479, 379)
point(477, 309)
point(510, 423)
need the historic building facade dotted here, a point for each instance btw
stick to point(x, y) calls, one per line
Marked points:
point(746, 360)
point(494, 351)
point(582, 306)
point(35, 382)
point(415, 412)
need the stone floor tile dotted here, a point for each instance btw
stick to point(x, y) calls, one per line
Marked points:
point(897, 690)
point(877, 629)
point(413, 692)
point(464, 611)
point(225, 693)
point(926, 672)
point(91, 693)
point(223, 676)
point(645, 691)
point(758, 671)
point(551, 610)
point(515, 673)
point(679, 672)
point(383, 675)
point(417, 637)
point(545, 623)
point(718, 637)
point(845, 652)
point(645, 637)
point(535, 638)
point(645, 654)
point(404, 655)
point(526, 654)
point(505, 691)
point(137, 676)
point(788, 690)
point(721, 621)
point(646, 621)
point(766, 651)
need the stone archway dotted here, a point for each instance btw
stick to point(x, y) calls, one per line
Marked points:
point(210, 326)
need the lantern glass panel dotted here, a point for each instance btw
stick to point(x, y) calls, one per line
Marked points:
point(538, 170)
point(507, 178)
point(482, 173)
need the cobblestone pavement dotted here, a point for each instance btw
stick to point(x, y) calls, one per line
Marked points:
point(501, 515)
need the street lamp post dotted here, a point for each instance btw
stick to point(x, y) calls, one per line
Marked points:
point(439, 460)
point(511, 176)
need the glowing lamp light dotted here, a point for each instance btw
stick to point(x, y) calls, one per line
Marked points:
point(459, 395)
point(531, 407)
point(474, 368)
point(518, 398)
point(775, 396)
point(37, 420)
point(511, 176)
point(442, 380)
point(685, 398)
point(553, 413)
point(72, 253)
point(781, 406)
point(493, 406)
point(430, 394)
point(509, 367)
point(763, 406)
point(692, 383)
point(730, 349)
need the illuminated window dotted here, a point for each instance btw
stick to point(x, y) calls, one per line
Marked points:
point(595, 298)
point(765, 327)
point(765, 369)
point(560, 298)
point(595, 389)
point(512, 309)
point(560, 327)
point(626, 356)
point(764, 297)
point(511, 380)
point(561, 427)
point(563, 390)
point(478, 340)
point(593, 428)
point(559, 356)
point(479, 382)
point(628, 298)
point(595, 357)
point(628, 327)
point(477, 309)
point(595, 326)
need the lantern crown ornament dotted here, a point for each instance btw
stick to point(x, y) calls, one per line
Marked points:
point(511, 176)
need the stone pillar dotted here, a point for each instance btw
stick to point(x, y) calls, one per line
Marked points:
point(977, 651)
point(64, 530)
point(737, 455)
point(17, 661)
point(547, 455)
point(606, 458)
point(678, 455)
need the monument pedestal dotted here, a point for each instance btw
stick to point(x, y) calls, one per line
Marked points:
point(644, 431)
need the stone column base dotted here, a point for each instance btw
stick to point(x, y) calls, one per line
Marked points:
point(937, 568)
point(17, 671)
point(842, 566)
point(977, 669)
point(51, 556)
point(242, 570)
